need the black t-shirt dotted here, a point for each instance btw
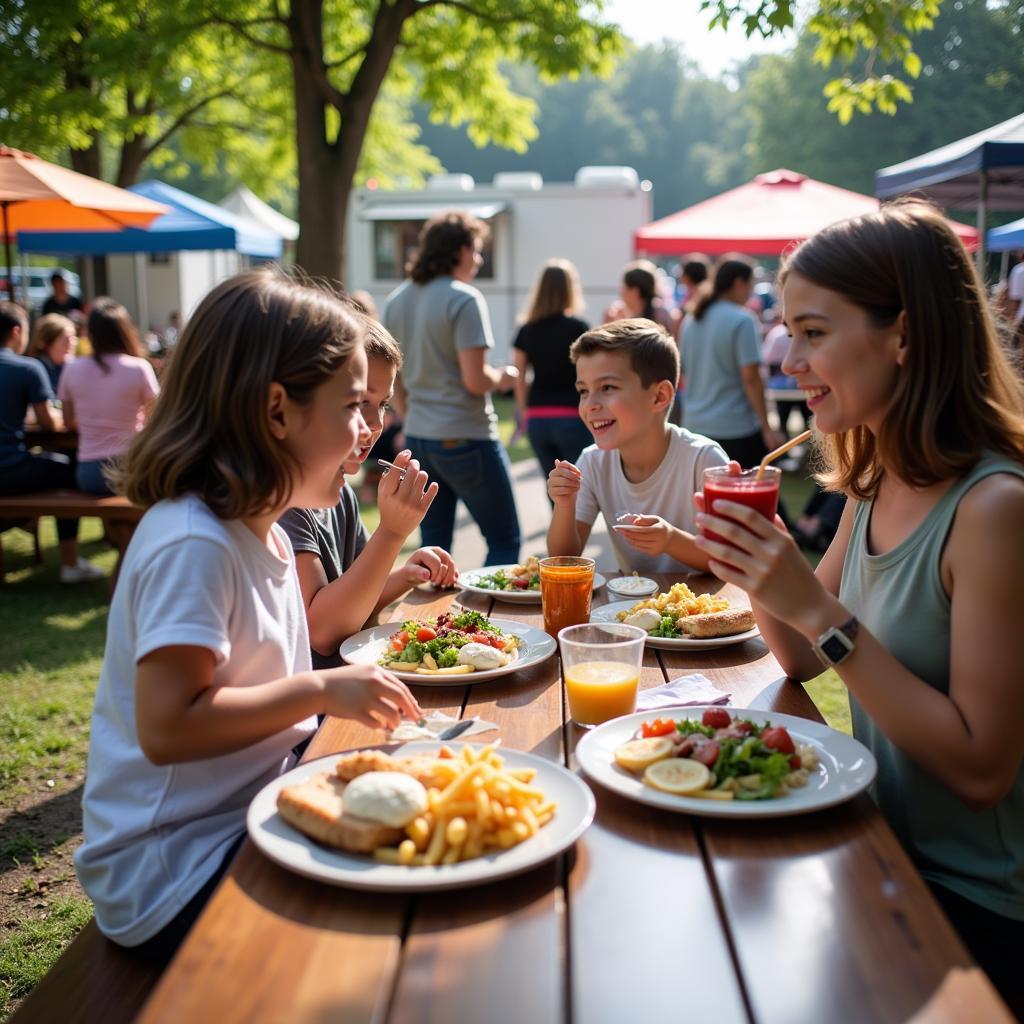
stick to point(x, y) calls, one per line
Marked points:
point(54, 305)
point(546, 344)
point(336, 535)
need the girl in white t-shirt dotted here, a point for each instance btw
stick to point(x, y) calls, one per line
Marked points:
point(206, 687)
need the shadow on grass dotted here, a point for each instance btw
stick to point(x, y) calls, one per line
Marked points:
point(40, 829)
point(48, 625)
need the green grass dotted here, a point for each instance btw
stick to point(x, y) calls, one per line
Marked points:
point(52, 654)
point(53, 651)
point(35, 946)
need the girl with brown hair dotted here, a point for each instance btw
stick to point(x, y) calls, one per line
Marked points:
point(548, 405)
point(206, 689)
point(918, 602)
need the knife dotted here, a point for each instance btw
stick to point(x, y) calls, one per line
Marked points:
point(457, 729)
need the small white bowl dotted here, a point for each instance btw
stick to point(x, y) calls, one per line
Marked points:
point(632, 586)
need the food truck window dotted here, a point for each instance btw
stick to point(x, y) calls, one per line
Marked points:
point(394, 242)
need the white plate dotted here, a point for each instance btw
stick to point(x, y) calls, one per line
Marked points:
point(608, 613)
point(468, 578)
point(535, 646)
point(847, 767)
point(291, 849)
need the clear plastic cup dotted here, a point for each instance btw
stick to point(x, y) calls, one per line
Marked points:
point(744, 489)
point(601, 669)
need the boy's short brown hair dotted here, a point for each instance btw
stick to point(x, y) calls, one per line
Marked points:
point(653, 355)
point(378, 341)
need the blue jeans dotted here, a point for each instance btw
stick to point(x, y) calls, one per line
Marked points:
point(478, 473)
point(561, 438)
point(90, 478)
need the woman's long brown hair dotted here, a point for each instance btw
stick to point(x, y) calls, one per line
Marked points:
point(957, 395)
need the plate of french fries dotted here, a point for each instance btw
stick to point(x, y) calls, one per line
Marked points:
point(490, 813)
point(530, 646)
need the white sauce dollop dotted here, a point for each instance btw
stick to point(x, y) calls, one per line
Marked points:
point(482, 656)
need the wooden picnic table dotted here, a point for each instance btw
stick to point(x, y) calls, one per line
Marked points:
point(815, 918)
point(59, 439)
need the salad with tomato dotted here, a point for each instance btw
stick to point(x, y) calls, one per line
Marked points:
point(518, 577)
point(450, 643)
point(718, 757)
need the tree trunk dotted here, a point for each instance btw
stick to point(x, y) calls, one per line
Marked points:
point(320, 248)
point(133, 156)
point(327, 169)
point(87, 161)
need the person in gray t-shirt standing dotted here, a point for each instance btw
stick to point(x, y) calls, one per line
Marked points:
point(441, 324)
point(721, 353)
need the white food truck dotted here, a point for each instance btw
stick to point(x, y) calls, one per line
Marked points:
point(589, 221)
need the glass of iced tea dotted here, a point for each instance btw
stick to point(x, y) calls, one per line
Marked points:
point(744, 488)
point(566, 587)
point(601, 669)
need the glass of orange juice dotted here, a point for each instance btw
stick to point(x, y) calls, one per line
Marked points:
point(601, 669)
point(566, 588)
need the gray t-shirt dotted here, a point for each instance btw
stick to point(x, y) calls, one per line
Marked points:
point(336, 535)
point(667, 492)
point(432, 323)
point(715, 349)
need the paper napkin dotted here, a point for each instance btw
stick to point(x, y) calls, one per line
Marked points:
point(682, 692)
point(435, 723)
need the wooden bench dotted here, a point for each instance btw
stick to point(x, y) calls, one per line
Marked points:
point(66, 504)
point(94, 982)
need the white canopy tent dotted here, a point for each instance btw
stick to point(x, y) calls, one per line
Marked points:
point(243, 202)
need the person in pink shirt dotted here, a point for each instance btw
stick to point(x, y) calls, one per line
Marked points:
point(108, 395)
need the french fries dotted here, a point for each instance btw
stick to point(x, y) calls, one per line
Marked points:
point(451, 670)
point(484, 807)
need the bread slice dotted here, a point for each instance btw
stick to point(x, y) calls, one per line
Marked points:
point(715, 624)
point(422, 767)
point(315, 808)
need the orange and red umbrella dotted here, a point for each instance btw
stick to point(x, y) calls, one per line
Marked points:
point(36, 195)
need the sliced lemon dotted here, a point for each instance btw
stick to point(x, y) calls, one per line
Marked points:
point(636, 755)
point(680, 775)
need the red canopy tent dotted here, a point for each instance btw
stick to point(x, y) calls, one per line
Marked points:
point(761, 218)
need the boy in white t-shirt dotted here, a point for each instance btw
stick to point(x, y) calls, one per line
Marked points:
point(641, 472)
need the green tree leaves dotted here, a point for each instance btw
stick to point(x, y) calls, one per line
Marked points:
point(845, 29)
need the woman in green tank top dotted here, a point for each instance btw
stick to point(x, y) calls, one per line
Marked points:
point(919, 601)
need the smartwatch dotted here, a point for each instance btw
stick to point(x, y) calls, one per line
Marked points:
point(836, 644)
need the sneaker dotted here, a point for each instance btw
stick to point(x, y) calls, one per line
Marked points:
point(84, 572)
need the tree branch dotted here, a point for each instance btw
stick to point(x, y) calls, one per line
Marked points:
point(344, 60)
point(182, 119)
point(498, 19)
point(240, 27)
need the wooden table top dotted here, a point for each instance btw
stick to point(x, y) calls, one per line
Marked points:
point(815, 918)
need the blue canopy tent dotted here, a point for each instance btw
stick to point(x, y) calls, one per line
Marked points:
point(985, 170)
point(1008, 237)
point(192, 224)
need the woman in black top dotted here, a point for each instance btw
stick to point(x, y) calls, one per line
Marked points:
point(549, 405)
